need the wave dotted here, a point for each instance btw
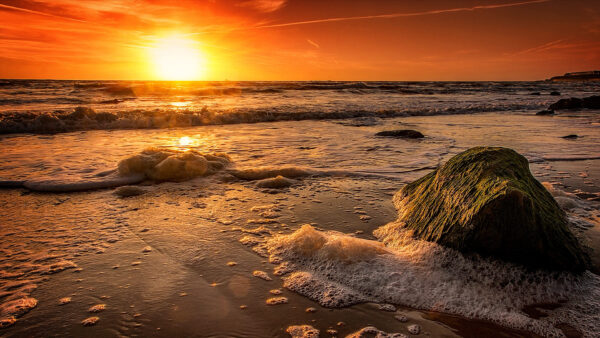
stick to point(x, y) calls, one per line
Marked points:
point(163, 88)
point(154, 164)
point(84, 118)
point(46, 100)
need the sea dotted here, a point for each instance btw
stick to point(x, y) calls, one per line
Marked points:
point(258, 209)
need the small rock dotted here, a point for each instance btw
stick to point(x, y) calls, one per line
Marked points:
point(64, 300)
point(402, 133)
point(555, 93)
point(147, 249)
point(311, 310)
point(571, 137)
point(414, 329)
point(401, 318)
point(129, 191)
point(278, 182)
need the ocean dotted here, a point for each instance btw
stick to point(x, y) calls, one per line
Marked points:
point(138, 104)
point(210, 246)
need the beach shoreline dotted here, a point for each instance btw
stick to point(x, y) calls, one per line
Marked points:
point(193, 228)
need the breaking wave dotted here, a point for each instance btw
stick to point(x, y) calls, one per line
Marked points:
point(84, 118)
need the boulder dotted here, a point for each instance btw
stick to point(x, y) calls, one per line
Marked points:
point(486, 201)
point(590, 102)
point(403, 133)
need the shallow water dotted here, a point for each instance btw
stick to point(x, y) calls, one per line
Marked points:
point(183, 285)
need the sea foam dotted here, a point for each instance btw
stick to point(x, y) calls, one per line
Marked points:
point(171, 165)
point(340, 270)
point(151, 164)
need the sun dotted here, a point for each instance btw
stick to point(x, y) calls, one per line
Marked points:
point(177, 58)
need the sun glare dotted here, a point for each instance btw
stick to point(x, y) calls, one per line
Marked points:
point(178, 58)
point(185, 141)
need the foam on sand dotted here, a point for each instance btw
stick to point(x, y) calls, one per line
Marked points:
point(70, 185)
point(152, 163)
point(11, 310)
point(310, 243)
point(372, 331)
point(171, 165)
point(302, 331)
point(340, 270)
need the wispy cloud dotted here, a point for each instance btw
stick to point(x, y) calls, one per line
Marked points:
point(543, 47)
point(30, 11)
point(264, 5)
point(313, 43)
point(402, 15)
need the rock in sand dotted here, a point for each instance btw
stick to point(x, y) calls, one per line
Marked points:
point(590, 102)
point(485, 200)
point(402, 133)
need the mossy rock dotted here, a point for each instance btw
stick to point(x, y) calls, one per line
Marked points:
point(485, 200)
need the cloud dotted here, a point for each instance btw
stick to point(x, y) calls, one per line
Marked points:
point(541, 48)
point(313, 43)
point(402, 15)
point(266, 6)
point(37, 12)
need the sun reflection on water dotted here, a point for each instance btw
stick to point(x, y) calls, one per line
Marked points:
point(180, 104)
point(185, 141)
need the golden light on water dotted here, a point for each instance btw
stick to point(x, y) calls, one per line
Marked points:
point(177, 58)
point(180, 104)
point(185, 141)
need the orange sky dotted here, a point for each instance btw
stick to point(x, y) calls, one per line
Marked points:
point(302, 39)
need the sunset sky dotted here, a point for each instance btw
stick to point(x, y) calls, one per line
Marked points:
point(298, 39)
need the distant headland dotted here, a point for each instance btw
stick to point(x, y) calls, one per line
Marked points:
point(592, 75)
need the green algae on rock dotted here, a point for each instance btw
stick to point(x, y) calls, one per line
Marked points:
point(485, 200)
